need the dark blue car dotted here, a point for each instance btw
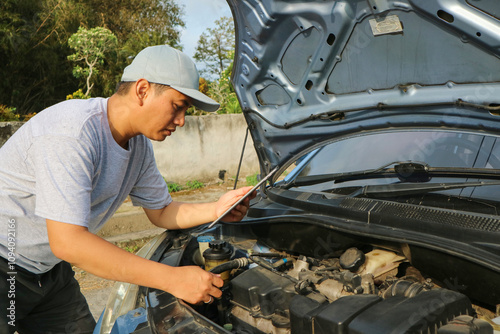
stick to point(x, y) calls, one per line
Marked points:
point(382, 118)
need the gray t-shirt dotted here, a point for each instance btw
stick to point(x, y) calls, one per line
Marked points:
point(65, 165)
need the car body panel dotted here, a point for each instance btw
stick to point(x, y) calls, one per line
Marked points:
point(312, 70)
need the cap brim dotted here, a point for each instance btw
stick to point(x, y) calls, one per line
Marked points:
point(199, 100)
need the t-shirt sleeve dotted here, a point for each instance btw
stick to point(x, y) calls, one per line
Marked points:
point(150, 191)
point(63, 171)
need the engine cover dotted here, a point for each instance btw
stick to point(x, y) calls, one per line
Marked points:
point(362, 314)
point(259, 294)
point(261, 289)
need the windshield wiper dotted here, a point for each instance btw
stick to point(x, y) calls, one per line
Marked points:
point(405, 171)
point(405, 189)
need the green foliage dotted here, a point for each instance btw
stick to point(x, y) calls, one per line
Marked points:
point(190, 185)
point(194, 184)
point(222, 91)
point(7, 114)
point(33, 49)
point(174, 187)
point(91, 47)
point(215, 47)
point(252, 180)
point(77, 95)
point(137, 24)
point(204, 87)
point(131, 249)
point(34, 46)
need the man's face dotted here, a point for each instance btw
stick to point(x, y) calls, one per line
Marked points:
point(164, 112)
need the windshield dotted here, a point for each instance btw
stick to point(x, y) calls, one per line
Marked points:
point(443, 149)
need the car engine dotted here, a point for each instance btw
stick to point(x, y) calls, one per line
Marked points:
point(371, 290)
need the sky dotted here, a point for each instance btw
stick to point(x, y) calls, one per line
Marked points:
point(200, 15)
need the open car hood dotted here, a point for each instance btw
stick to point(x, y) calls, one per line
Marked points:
point(308, 71)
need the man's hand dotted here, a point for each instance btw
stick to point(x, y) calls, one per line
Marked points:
point(228, 199)
point(194, 284)
point(178, 215)
point(76, 245)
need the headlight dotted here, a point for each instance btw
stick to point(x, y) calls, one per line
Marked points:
point(123, 296)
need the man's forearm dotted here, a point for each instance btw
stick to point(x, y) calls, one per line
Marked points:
point(75, 244)
point(179, 215)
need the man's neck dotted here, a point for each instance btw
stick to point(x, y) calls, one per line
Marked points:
point(118, 120)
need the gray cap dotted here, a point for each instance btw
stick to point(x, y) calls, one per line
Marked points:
point(165, 65)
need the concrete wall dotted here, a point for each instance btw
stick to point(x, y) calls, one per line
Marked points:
point(205, 145)
point(7, 129)
point(197, 151)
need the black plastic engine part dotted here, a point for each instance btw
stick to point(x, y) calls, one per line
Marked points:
point(302, 312)
point(352, 259)
point(466, 324)
point(327, 319)
point(218, 252)
point(404, 288)
point(419, 314)
point(370, 314)
point(260, 289)
point(412, 172)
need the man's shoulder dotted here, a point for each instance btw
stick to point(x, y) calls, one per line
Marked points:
point(68, 118)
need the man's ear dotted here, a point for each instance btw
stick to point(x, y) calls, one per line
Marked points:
point(142, 89)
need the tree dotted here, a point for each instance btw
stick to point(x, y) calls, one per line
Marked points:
point(91, 47)
point(34, 35)
point(222, 91)
point(126, 18)
point(136, 24)
point(215, 47)
point(34, 70)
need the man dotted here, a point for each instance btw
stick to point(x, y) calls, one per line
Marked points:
point(66, 171)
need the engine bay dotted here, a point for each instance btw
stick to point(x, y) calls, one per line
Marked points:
point(296, 278)
point(363, 289)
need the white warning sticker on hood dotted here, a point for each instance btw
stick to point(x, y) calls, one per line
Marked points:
point(387, 25)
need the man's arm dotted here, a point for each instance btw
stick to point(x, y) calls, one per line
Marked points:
point(76, 245)
point(178, 215)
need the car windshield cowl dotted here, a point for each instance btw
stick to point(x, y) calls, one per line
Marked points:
point(406, 171)
point(407, 189)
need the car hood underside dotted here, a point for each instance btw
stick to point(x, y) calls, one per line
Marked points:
point(309, 71)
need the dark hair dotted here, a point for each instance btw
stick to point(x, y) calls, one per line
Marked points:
point(123, 87)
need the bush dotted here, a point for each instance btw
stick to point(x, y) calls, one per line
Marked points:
point(195, 184)
point(29, 116)
point(78, 95)
point(7, 114)
point(174, 187)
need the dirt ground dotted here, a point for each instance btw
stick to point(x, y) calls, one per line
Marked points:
point(96, 289)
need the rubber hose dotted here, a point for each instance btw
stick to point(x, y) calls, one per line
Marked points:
point(233, 264)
